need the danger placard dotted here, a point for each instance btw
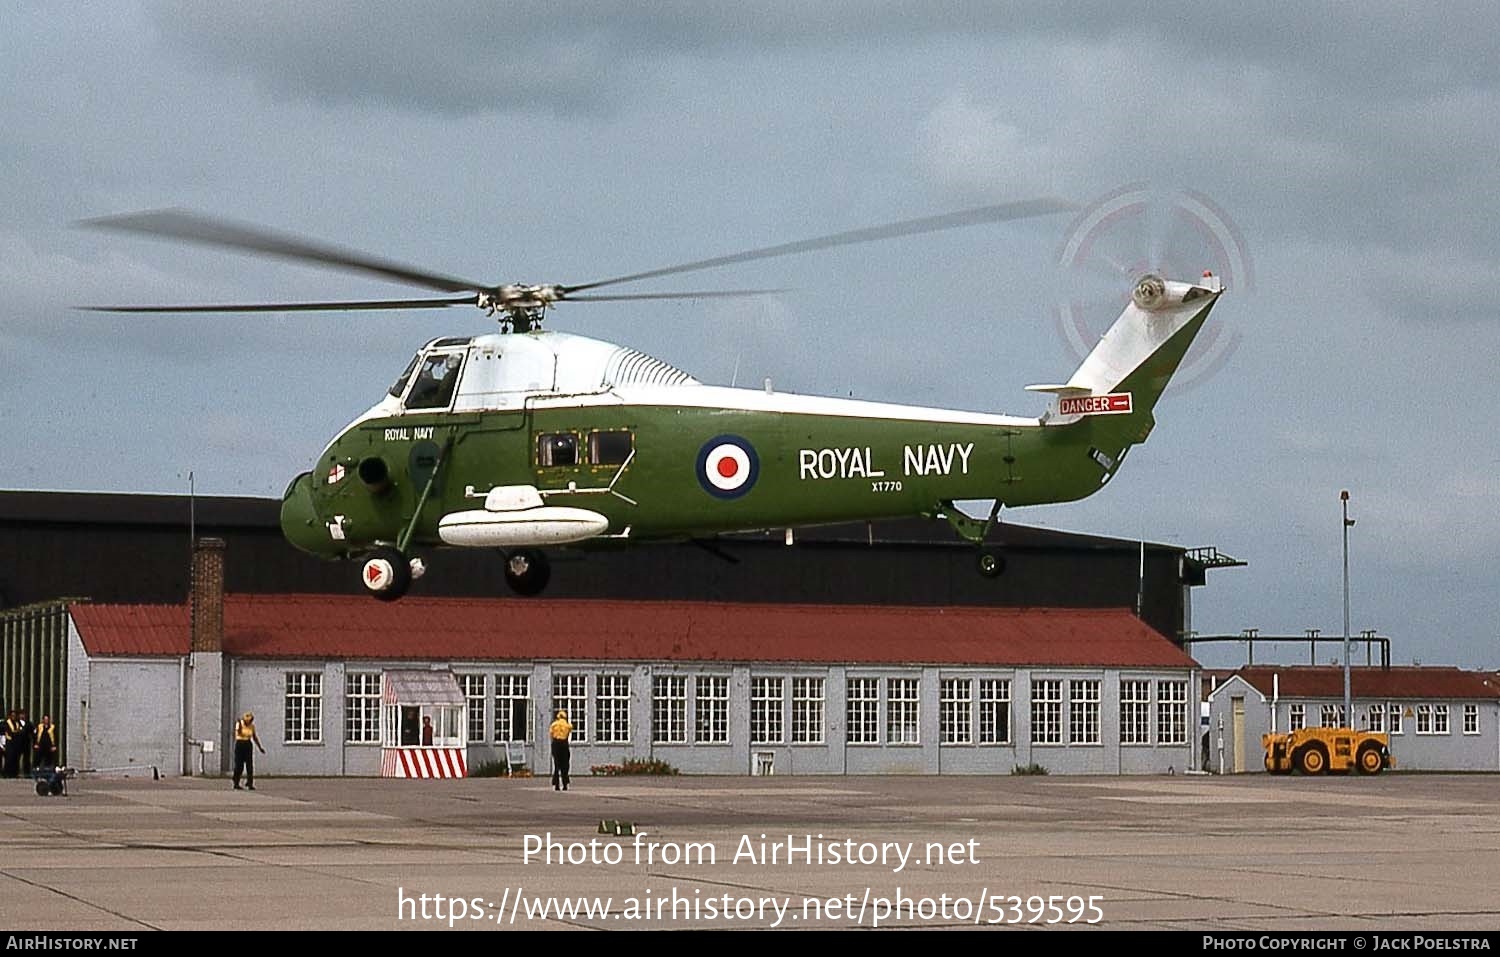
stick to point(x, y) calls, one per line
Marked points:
point(1117, 403)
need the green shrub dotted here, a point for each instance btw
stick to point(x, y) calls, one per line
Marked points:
point(634, 766)
point(1032, 768)
point(489, 769)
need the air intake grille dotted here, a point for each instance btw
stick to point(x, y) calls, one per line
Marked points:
point(629, 367)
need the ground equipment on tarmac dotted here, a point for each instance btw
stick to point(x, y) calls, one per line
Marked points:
point(1316, 750)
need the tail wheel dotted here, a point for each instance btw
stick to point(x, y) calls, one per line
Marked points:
point(991, 565)
point(1312, 760)
point(385, 574)
point(1370, 760)
point(527, 571)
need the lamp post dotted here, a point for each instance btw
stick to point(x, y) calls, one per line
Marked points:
point(1348, 721)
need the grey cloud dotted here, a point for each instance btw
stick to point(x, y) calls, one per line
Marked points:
point(473, 56)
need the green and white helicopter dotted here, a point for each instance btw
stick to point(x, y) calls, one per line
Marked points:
point(527, 440)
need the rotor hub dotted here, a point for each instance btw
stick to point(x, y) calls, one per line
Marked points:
point(523, 306)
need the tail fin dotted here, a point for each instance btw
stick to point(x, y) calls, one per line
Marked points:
point(1132, 363)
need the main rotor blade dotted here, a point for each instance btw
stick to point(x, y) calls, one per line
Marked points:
point(193, 227)
point(1003, 212)
point(297, 306)
point(715, 294)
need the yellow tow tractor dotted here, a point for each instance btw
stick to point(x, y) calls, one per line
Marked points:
point(1316, 750)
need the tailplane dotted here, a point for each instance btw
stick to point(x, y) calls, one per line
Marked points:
point(1132, 363)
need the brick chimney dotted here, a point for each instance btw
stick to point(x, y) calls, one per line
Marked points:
point(207, 599)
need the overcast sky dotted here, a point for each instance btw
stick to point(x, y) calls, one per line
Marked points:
point(1338, 160)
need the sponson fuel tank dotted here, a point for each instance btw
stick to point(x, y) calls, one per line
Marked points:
point(516, 515)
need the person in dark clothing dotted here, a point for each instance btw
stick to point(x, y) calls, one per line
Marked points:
point(245, 739)
point(28, 736)
point(12, 767)
point(560, 731)
point(45, 747)
point(427, 731)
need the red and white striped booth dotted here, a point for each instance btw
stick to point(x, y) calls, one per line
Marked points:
point(420, 762)
point(423, 725)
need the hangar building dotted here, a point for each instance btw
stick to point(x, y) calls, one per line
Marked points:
point(135, 548)
point(709, 688)
point(854, 649)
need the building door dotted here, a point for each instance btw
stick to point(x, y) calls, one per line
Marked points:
point(1239, 734)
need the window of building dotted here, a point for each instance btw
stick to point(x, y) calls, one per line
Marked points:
point(1439, 719)
point(570, 693)
point(956, 711)
point(711, 708)
point(612, 720)
point(902, 710)
point(1296, 717)
point(766, 722)
point(1171, 712)
point(473, 689)
point(556, 449)
point(807, 710)
point(1083, 711)
point(864, 710)
point(362, 707)
point(1424, 719)
point(1377, 717)
point(669, 709)
point(994, 711)
point(1393, 726)
point(1471, 719)
point(513, 708)
point(1046, 712)
point(609, 448)
point(304, 707)
point(1135, 712)
point(1332, 716)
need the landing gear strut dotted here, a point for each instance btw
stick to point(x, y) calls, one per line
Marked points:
point(385, 573)
point(527, 571)
point(990, 562)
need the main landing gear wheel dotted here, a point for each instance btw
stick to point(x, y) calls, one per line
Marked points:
point(991, 565)
point(385, 573)
point(527, 571)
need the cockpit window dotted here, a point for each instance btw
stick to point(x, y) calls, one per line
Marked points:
point(435, 382)
point(400, 385)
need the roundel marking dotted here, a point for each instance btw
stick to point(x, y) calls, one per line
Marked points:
point(727, 466)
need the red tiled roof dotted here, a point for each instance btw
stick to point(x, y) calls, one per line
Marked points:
point(327, 626)
point(1307, 681)
point(132, 629)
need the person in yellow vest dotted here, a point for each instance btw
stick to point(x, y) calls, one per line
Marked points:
point(244, 758)
point(46, 744)
point(560, 731)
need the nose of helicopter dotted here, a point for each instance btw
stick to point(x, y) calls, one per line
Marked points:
point(300, 522)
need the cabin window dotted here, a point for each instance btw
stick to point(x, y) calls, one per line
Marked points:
point(609, 448)
point(557, 449)
point(435, 382)
point(400, 384)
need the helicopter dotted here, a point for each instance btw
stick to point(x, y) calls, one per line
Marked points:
point(528, 440)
